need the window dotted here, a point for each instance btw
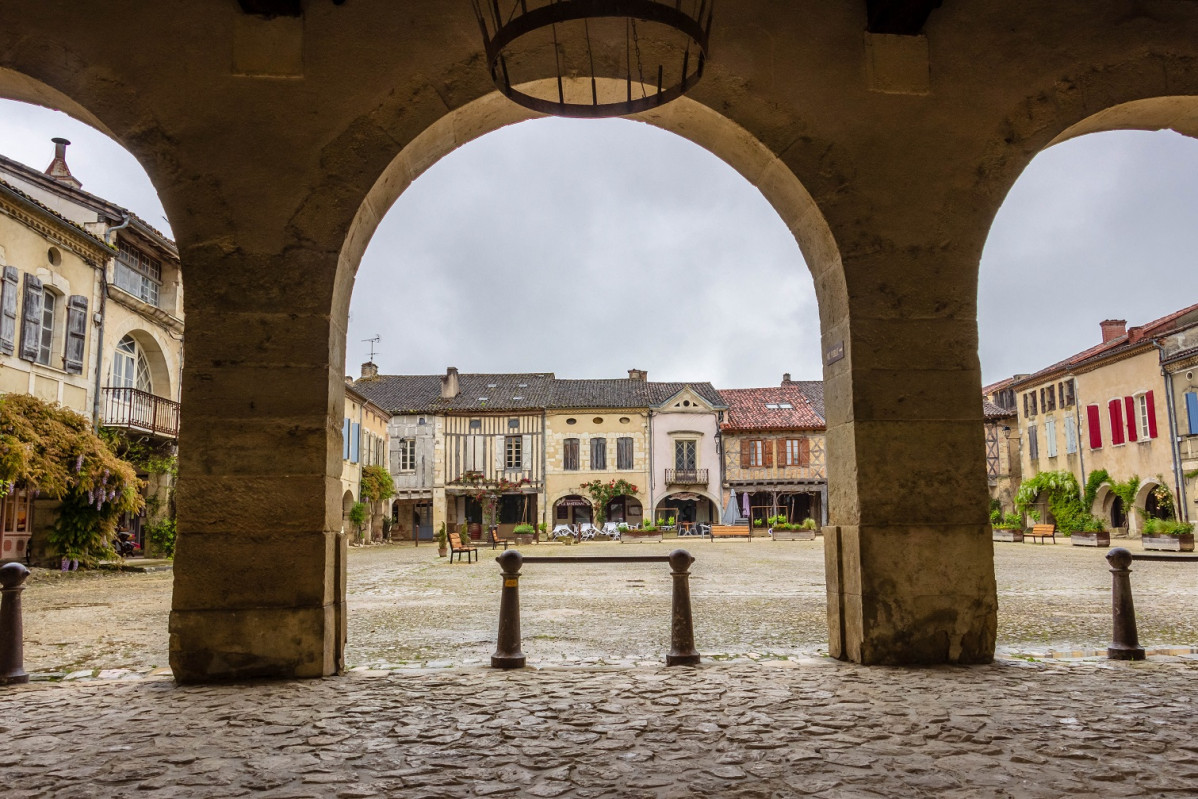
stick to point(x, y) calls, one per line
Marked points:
point(570, 454)
point(513, 455)
point(1065, 390)
point(45, 341)
point(476, 424)
point(756, 452)
point(798, 452)
point(407, 454)
point(1192, 411)
point(1115, 409)
point(1050, 435)
point(623, 453)
point(1070, 435)
point(1146, 414)
point(138, 274)
point(598, 454)
point(1029, 404)
point(1048, 398)
point(775, 406)
point(1094, 423)
point(130, 369)
point(1033, 446)
point(684, 454)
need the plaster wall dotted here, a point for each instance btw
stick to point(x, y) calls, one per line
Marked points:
point(588, 424)
point(700, 424)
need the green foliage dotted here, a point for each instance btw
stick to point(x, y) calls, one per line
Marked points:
point(523, 529)
point(1165, 527)
point(649, 527)
point(357, 514)
point(808, 524)
point(759, 522)
point(1007, 521)
point(1191, 474)
point(376, 484)
point(1164, 498)
point(145, 455)
point(1064, 497)
point(602, 493)
point(161, 535)
point(441, 536)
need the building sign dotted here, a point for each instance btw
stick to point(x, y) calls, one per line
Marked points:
point(834, 353)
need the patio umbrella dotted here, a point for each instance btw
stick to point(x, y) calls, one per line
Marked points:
point(744, 498)
point(732, 512)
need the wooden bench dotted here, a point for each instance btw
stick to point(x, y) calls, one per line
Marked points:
point(457, 547)
point(730, 531)
point(636, 535)
point(1042, 531)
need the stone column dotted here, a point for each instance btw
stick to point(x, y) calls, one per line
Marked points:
point(260, 566)
point(909, 558)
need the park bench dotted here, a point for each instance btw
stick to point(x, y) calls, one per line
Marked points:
point(730, 531)
point(457, 547)
point(1042, 531)
point(495, 539)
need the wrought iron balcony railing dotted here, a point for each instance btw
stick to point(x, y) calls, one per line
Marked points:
point(687, 477)
point(134, 409)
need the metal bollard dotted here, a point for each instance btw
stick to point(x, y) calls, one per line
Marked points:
point(1126, 645)
point(682, 630)
point(12, 648)
point(507, 648)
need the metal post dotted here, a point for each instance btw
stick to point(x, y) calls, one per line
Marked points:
point(12, 652)
point(682, 629)
point(1126, 645)
point(507, 648)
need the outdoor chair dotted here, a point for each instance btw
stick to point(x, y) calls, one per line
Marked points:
point(456, 547)
point(612, 529)
point(562, 531)
point(587, 531)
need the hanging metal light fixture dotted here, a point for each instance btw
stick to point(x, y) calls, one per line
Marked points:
point(595, 58)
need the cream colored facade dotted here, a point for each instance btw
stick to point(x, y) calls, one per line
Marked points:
point(585, 426)
point(364, 443)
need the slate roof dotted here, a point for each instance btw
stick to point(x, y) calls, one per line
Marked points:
point(624, 393)
point(747, 408)
point(1134, 338)
point(422, 393)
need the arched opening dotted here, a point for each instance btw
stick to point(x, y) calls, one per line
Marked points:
point(683, 510)
point(572, 510)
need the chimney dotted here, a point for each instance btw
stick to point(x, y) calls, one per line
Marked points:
point(449, 383)
point(370, 369)
point(1112, 329)
point(58, 168)
point(638, 374)
point(786, 378)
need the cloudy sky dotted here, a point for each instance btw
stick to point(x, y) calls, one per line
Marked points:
point(588, 248)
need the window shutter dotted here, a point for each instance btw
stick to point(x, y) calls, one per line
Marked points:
point(355, 432)
point(526, 452)
point(746, 448)
point(1129, 407)
point(499, 454)
point(1025, 413)
point(8, 311)
point(767, 452)
point(345, 439)
point(31, 318)
point(804, 452)
point(1192, 411)
point(76, 334)
point(1115, 409)
point(1151, 415)
point(1094, 422)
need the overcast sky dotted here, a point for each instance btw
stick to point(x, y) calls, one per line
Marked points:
point(588, 248)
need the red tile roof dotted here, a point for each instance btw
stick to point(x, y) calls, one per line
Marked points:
point(747, 409)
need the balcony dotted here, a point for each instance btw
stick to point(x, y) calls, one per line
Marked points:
point(686, 477)
point(141, 411)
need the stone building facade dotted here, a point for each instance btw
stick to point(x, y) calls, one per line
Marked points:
point(685, 459)
point(775, 451)
point(365, 442)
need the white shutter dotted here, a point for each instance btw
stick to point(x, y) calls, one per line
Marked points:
point(499, 454)
point(526, 452)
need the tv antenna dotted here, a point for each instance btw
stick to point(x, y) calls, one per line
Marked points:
point(375, 339)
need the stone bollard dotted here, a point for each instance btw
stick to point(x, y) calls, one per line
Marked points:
point(682, 630)
point(507, 648)
point(12, 650)
point(1126, 644)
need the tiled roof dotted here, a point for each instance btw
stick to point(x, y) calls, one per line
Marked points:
point(422, 393)
point(747, 408)
point(52, 213)
point(624, 393)
point(992, 411)
point(1134, 337)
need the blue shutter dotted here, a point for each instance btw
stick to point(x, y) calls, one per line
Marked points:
point(345, 439)
point(354, 435)
point(1192, 412)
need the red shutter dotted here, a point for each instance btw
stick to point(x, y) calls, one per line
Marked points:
point(1151, 415)
point(1129, 406)
point(1115, 408)
point(745, 447)
point(1094, 422)
point(767, 448)
point(804, 452)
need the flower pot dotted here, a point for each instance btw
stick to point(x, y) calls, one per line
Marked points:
point(1169, 543)
point(1008, 535)
point(1102, 539)
point(442, 550)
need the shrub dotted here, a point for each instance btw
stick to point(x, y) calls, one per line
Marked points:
point(1163, 527)
point(161, 535)
point(523, 529)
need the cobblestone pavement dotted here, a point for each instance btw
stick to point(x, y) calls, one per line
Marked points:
point(760, 599)
point(803, 727)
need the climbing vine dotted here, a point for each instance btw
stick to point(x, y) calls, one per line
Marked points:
point(1126, 491)
point(1064, 497)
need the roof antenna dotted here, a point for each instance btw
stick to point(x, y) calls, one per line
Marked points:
point(375, 339)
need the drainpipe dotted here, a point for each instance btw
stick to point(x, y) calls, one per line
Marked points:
point(1179, 507)
point(109, 238)
point(652, 475)
point(1077, 426)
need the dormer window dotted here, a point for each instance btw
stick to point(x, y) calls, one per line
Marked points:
point(138, 274)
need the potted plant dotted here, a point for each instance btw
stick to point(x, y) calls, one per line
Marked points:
point(1007, 526)
point(524, 533)
point(442, 541)
point(1090, 532)
point(542, 531)
point(1167, 536)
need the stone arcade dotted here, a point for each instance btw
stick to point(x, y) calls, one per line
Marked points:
point(886, 134)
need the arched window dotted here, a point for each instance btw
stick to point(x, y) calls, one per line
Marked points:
point(130, 369)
